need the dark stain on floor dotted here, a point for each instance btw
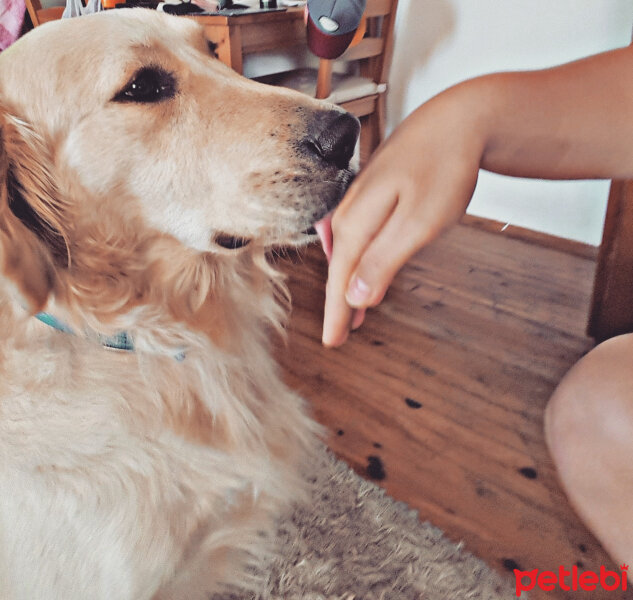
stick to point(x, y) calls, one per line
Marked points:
point(528, 472)
point(411, 403)
point(510, 564)
point(375, 468)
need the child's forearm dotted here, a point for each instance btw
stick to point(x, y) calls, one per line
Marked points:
point(570, 122)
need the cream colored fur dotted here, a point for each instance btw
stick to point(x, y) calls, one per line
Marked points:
point(134, 475)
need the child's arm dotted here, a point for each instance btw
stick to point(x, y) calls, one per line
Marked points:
point(573, 121)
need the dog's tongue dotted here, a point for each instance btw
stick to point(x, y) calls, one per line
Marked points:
point(324, 229)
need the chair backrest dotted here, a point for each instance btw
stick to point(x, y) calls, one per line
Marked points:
point(41, 15)
point(373, 51)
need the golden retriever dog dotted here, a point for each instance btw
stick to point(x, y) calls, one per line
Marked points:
point(142, 183)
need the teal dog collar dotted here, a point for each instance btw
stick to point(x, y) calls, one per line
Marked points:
point(119, 341)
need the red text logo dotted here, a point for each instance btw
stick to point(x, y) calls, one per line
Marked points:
point(571, 580)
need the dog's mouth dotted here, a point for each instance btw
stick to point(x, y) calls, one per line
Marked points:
point(310, 234)
point(322, 225)
point(319, 229)
point(231, 242)
point(234, 242)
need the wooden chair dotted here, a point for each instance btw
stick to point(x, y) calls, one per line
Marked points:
point(360, 86)
point(41, 15)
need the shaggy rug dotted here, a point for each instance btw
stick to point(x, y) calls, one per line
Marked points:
point(353, 542)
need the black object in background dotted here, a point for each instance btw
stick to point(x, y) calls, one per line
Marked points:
point(222, 4)
point(186, 8)
point(138, 4)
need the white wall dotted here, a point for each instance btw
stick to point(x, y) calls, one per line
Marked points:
point(441, 42)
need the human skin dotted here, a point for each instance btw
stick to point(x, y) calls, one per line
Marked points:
point(570, 122)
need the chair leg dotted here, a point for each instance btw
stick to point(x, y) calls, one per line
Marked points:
point(372, 131)
point(324, 78)
point(32, 14)
point(368, 138)
point(381, 118)
point(612, 304)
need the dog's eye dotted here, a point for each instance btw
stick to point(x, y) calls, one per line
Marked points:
point(150, 84)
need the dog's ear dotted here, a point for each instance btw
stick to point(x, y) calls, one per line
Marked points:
point(32, 242)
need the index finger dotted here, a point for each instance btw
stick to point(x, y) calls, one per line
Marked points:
point(362, 213)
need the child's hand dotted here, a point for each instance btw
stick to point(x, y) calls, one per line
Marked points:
point(570, 122)
point(418, 183)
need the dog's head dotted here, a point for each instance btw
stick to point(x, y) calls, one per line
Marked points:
point(122, 137)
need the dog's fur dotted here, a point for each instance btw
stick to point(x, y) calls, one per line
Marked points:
point(135, 475)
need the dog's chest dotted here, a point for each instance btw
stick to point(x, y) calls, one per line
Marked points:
point(78, 413)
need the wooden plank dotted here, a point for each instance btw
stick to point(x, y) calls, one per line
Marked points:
point(366, 48)
point(378, 8)
point(612, 303)
point(478, 329)
point(205, 20)
point(236, 49)
point(53, 13)
point(533, 237)
point(361, 106)
point(265, 35)
point(249, 18)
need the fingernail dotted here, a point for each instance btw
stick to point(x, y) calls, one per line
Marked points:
point(357, 292)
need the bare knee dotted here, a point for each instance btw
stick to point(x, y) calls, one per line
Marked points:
point(589, 431)
point(593, 404)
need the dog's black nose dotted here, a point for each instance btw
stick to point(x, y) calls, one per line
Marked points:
point(333, 136)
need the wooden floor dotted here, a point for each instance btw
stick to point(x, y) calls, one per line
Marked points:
point(439, 397)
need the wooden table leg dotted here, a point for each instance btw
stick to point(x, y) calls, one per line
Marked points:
point(612, 305)
point(229, 44)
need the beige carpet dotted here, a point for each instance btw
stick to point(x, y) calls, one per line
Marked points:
point(353, 542)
